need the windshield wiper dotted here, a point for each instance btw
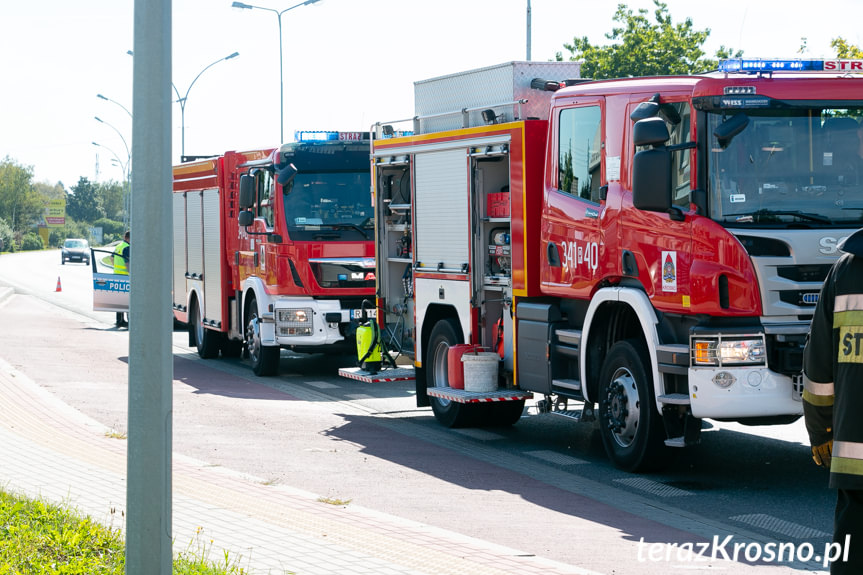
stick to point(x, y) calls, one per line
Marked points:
point(341, 226)
point(758, 214)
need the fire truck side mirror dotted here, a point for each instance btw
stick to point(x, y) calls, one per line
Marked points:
point(246, 218)
point(287, 174)
point(651, 180)
point(650, 132)
point(725, 131)
point(247, 192)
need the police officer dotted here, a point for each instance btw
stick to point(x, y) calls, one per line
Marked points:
point(833, 395)
point(121, 266)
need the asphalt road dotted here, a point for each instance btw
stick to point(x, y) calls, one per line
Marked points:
point(543, 486)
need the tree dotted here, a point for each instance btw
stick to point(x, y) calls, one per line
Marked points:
point(112, 196)
point(20, 204)
point(83, 204)
point(642, 48)
point(6, 236)
point(846, 50)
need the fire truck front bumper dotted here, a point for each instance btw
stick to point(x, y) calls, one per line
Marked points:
point(742, 392)
point(308, 322)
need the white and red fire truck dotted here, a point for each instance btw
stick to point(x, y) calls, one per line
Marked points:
point(273, 248)
point(649, 250)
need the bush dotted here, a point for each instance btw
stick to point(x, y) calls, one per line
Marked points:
point(109, 227)
point(57, 236)
point(31, 241)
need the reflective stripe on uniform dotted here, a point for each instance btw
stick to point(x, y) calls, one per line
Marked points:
point(817, 393)
point(848, 310)
point(847, 457)
point(848, 449)
point(848, 302)
point(844, 465)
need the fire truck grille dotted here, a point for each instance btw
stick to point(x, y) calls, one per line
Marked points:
point(343, 275)
point(810, 273)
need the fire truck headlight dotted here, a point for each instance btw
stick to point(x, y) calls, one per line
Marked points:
point(294, 321)
point(729, 351)
point(742, 352)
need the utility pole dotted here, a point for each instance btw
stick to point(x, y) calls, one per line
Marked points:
point(148, 464)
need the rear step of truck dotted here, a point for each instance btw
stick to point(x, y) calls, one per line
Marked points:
point(462, 396)
point(401, 373)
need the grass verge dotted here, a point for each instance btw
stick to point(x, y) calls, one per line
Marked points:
point(40, 538)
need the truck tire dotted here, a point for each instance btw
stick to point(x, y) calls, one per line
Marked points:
point(501, 413)
point(444, 334)
point(630, 425)
point(206, 340)
point(265, 359)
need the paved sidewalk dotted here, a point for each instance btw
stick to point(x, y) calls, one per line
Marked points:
point(49, 449)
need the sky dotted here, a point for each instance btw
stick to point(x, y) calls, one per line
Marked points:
point(347, 64)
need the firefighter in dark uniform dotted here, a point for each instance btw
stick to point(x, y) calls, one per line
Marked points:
point(833, 395)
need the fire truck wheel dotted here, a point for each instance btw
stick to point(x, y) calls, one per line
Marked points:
point(206, 340)
point(630, 425)
point(502, 413)
point(449, 413)
point(265, 359)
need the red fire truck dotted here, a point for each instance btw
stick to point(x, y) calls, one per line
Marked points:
point(273, 248)
point(647, 252)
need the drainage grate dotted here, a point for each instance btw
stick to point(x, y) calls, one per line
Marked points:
point(770, 523)
point(480, 434)
point(554, 457)
point(322, 385)
point(653, 487)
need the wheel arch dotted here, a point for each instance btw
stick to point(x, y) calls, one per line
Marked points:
point(617, 314)
point(253, 288)
point(435, 313)
point(193, 297)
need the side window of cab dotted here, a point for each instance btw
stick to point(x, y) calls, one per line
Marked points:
point(679, 125)
point(579, 171)
point(265, 186)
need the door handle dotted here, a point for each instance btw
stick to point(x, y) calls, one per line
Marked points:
point(552, 255)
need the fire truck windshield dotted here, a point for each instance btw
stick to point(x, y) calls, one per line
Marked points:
point(787, 166)
point(329, 205)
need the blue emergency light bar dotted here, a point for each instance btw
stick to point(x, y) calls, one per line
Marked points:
point(757, 66)
point(325, 136)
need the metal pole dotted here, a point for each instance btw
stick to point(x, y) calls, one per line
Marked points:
point(182, 102)
point(148, 491)
point(243, 6)
point(281, 85)
point(528, 30)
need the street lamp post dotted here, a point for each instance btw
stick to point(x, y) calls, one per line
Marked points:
point(98, 119)
point(101, 97)
point(182, 102)
point(127, 177)
point(281, 56)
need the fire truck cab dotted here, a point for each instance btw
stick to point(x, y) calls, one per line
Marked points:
point(650, 250)
point(273, 248)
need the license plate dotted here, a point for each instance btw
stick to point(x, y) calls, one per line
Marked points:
point(358, 313)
